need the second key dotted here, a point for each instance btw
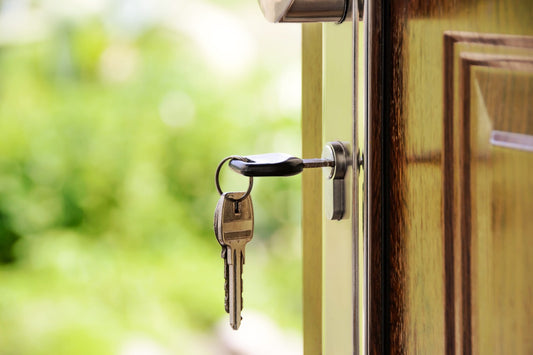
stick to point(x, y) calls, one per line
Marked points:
point(236, 226)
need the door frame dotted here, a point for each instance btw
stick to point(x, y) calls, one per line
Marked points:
point(333, 269)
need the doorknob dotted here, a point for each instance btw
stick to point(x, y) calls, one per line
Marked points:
point(335, 156)
point(306, 10)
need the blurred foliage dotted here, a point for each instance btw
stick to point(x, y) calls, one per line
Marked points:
point(108, 148)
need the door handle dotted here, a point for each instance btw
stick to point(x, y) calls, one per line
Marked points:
point(300, 11)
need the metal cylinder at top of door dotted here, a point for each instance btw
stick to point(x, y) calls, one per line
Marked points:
point(300, 11)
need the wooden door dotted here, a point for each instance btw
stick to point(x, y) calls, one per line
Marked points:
point(449, 176)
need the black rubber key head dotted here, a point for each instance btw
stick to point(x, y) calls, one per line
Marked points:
point(271, 164)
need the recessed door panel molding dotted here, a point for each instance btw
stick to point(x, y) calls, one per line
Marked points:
point(488, 163)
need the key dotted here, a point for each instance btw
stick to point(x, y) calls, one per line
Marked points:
point(276, 164)
point(226, 278)
point(335, 156)
point(223, 252)
point(234, 229)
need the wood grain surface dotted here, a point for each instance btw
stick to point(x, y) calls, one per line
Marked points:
point(450, 239)
point(373, 214)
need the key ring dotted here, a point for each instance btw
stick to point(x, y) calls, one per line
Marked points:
point(217, 183)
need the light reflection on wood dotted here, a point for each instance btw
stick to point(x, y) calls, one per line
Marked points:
point(512, 140)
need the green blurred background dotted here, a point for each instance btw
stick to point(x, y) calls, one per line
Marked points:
point(113, 118)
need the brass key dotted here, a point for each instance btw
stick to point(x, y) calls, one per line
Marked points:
point(223, 252)
point(234, 226)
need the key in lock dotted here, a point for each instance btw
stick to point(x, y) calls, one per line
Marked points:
point(233, 220)
point(335, 156)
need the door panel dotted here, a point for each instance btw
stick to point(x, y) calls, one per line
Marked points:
point(495, 193)
point(449, 176)
point(338, 240)
point(311, 181)
point(331, 247)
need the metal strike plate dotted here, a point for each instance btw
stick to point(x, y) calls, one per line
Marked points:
point(335, 192)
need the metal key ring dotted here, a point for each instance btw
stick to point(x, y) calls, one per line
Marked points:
point(217, 183)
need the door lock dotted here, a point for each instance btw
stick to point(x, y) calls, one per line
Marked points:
point(335, 156)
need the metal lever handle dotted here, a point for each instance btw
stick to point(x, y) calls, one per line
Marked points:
point(306, 10)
